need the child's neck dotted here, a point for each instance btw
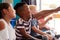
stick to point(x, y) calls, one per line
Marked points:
point(26, 18)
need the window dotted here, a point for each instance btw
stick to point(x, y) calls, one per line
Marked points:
point(51, 4)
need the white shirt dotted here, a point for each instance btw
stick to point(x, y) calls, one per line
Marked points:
point(8, 32)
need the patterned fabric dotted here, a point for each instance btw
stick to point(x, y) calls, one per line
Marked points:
point(22, 24)
point(34, 23)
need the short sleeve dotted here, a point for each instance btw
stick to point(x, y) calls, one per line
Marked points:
point(34, 23)
point(19, 24)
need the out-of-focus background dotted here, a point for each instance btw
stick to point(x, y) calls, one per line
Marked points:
point(41, 5)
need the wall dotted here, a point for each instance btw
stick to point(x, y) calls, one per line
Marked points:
point(0, 1)
point(13, 21)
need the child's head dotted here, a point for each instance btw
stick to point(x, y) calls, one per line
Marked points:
point(6, 10)
point(22, 9)
point(33, 9)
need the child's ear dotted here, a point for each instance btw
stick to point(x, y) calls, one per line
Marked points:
point(4, 11)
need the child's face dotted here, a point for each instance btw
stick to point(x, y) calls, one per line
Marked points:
point(11, 12)
point(33, 9)
point(26, 10)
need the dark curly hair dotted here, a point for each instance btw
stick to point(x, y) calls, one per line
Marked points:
point(19, 5)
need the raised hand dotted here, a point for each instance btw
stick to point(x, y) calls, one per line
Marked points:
point(57, 9)
point(50, 18)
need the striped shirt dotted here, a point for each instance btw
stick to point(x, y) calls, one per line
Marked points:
point(23, 24)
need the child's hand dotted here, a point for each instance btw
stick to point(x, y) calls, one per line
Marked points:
point(50, 18)
point(58, 9)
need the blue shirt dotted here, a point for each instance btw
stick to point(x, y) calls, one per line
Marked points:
point(34, 23)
